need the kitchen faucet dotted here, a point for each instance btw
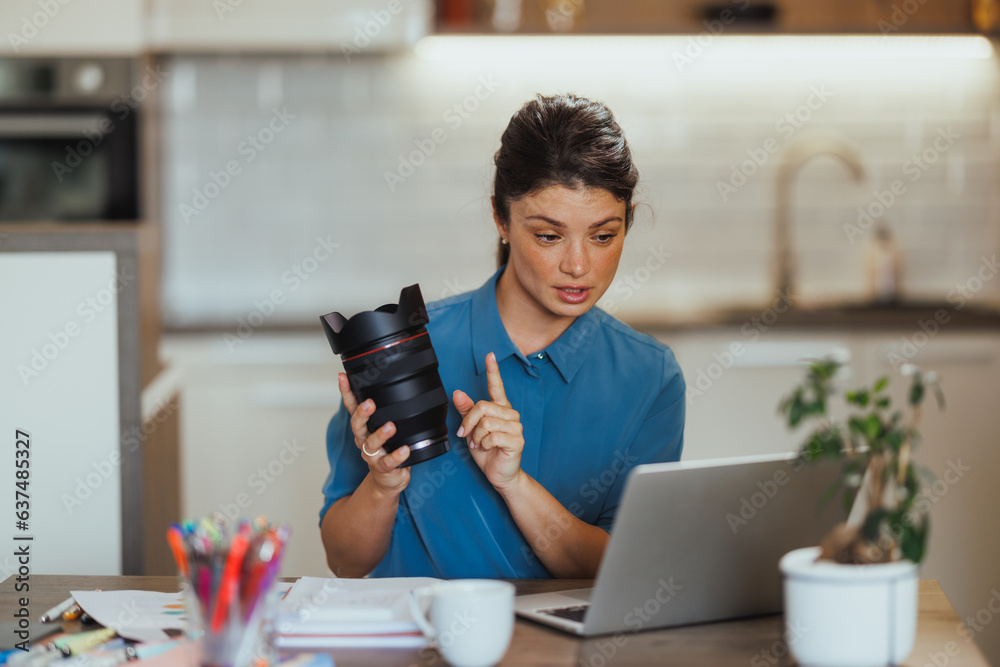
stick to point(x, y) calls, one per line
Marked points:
point(799, 151)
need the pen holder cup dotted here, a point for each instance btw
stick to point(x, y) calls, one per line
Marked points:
point(242, 639)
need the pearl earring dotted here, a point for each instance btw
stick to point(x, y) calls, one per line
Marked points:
point(503, 240)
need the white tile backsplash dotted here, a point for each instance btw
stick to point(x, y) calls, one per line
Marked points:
point(325, 174)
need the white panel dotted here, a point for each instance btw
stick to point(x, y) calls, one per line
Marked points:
point(59, 382)
point(60, 27)
point(351, 27)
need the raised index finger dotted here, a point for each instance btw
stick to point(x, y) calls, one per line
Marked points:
point(494, 382)
point(350, 402)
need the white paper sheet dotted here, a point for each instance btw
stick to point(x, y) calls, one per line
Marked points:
point(139, 615)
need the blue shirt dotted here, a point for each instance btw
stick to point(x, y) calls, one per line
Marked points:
point(597, 401)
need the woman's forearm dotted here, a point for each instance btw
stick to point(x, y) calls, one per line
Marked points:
point(357, 529)
point(568, 547)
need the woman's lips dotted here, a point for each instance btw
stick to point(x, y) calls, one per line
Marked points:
point(573, 294)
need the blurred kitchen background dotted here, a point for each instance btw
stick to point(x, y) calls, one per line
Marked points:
point(185, 186)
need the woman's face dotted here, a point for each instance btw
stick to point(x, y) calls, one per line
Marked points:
point(564, 247)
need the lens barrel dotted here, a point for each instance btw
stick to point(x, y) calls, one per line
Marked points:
point(388, 357)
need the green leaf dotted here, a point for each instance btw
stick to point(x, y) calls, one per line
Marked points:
point(870, 529)
point(914, 541)
point(894, 439)
point(859, 397)
point(916, 391)
point(873, 427)
point(883, 403)
point(881, 383)
point(817, 407)
point(823, 443)
point(795, 413)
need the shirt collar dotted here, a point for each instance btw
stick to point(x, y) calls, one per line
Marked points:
point(489, 334)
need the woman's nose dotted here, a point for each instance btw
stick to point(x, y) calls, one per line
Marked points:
point(576, 261)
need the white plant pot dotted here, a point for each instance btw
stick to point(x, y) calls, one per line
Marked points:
point(848, 615)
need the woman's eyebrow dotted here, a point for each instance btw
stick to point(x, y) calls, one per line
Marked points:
point(556, 223)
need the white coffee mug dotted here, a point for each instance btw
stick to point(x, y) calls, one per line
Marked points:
point(471, 620)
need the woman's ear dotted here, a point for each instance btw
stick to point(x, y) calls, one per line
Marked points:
point(497, 220)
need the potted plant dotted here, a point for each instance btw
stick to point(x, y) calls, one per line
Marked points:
point(853, 599)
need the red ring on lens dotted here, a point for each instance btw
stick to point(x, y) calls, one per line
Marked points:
point(384, 347)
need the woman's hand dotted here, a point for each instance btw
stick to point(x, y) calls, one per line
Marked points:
point(493, 430)
point(385, 471)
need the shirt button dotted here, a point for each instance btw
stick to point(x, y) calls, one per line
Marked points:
point(540, 355)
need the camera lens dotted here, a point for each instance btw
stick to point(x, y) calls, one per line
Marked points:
point(388, 357)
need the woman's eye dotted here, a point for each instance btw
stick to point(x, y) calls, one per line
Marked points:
point(605, 238)
point(547, 238)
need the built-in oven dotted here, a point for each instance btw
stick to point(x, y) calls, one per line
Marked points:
point(68, 140)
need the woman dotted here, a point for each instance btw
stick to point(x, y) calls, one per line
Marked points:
point(554, 400)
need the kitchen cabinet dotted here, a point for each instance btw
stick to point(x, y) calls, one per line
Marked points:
point(80, 27)
point(72, 390)
point(349, 27)
point(733, 412)
point(736, 379)
point(696, 16)
point(875, 16)
point(961, 447)
point(253, 430)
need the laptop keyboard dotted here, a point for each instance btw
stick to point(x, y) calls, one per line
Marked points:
point(570, 613)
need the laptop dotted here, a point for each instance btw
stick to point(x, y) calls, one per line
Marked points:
point(697, 541)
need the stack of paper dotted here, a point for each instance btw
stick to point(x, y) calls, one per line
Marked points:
point(319, 612)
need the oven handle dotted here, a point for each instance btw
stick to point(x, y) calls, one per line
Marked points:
point(26, 126)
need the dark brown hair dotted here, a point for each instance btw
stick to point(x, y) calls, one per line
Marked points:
point(561, 140)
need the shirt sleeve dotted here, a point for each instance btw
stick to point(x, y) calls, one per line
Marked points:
point(347, 468)
point(659, 438)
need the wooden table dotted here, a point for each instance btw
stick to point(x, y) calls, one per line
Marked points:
point(756, 642)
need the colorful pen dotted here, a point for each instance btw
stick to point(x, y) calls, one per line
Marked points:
point(72, 613)
point(230, 582)
point(175, 538)
point(84, 641)
point(56, 612)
